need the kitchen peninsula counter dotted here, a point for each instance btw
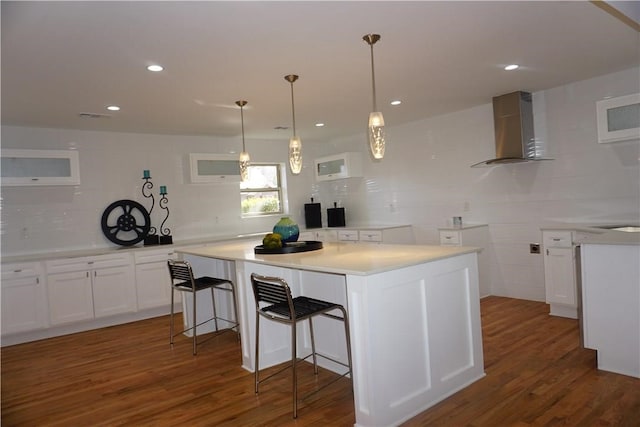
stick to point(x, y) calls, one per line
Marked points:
point(414, 316)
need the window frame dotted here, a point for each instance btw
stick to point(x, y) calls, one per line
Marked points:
point(280, 189)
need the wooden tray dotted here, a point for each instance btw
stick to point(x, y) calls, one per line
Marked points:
point(290, 248)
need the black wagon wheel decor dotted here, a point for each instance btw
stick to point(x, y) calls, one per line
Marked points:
point(125, 222)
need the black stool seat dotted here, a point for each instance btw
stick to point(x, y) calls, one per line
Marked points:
point(204, 282)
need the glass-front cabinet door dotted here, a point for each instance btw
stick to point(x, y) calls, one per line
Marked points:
point(40, 167)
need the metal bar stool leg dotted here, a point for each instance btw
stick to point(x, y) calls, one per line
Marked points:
point(294, 365)
point(313, 347)
point(257, 367)
point(215, 313)
point(348, 338)
point(195, 328)
point(171, 327)
point(235, 309)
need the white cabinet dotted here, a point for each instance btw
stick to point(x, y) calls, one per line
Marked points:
point(611, 305)
point(559, 273)
point(344, 165)
point(87, 287)
point(400, 234)
point(24, 297)
point(213, 168)
point(70, 297)
point(153, 283)
point(473, 235)
point(619, 118)
point(40, 167)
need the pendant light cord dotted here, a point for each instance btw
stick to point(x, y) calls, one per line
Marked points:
point(293, 111)
point(242, 124)
point(373, 81)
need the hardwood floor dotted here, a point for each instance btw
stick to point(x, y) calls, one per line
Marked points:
point(537, 375)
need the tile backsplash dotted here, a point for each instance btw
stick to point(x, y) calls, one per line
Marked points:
point(425, 179)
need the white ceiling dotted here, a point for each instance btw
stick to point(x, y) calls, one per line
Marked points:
point(63, 58)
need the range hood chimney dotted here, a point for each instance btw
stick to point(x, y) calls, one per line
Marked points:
point(513, 124)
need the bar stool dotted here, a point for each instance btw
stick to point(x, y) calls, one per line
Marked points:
point(182, 280)
point(274, 302)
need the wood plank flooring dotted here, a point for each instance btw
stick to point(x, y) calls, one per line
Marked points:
point(127, 375)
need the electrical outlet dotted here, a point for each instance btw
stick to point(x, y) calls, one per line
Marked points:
point(534, 248)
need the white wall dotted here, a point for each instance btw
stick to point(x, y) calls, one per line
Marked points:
point(424, 180)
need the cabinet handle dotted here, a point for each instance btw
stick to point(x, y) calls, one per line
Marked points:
point(90, 262)
point(555, 239)
point(547, 252)
point(37, 280)
point(18, 271)
point(87, 274)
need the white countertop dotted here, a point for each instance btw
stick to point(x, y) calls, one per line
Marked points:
point(73, 253)
point(341, 258)
point(462, 227)
point(611, 237)
point(594, 234)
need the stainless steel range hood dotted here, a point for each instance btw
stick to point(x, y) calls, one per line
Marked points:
point(513, 123)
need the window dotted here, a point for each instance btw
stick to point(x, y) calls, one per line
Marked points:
point(261, 194)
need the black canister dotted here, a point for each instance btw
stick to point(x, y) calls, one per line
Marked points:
point(312, 215)
point(335, 216)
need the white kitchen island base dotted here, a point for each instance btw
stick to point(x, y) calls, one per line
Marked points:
point(414, 314)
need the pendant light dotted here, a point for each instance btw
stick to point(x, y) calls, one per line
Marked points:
point(376, 121)
point(295, 144)
point(244, 156)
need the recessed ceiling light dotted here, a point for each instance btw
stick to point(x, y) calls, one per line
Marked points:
point(113, 108)
point(396, 102)
point(155, 67)
point(511, 67)
point(319, 125)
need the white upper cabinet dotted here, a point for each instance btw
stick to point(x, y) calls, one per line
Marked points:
point(344, 165)
point(40, 167)
point(214, 168)
point(619, 118)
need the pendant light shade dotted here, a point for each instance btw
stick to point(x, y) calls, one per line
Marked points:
point(295, 144)
point(244, 159)
point(376, 121)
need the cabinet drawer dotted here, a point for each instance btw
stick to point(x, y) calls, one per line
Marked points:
point(371, 235)
point(147, 257)
point(21, 270)
point(84, 263)
point(451, 238)
point(307, 236)
point(348, 235)
point(557, 239)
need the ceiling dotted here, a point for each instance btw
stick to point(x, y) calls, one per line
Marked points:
point(60, 59)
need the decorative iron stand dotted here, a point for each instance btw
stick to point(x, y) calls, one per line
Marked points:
point(151, 238)
point(165, 238)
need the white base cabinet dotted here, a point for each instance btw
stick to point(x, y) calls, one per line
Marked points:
point(401, 234)
point(89, 287)
point(560, 284)
point(24, 297)
point(611, 305)
point(153, 283)
point(70, 297)
point(473, 235)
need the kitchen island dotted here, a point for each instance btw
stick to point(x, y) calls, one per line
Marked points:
point(610, 275)
point(414, 315)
